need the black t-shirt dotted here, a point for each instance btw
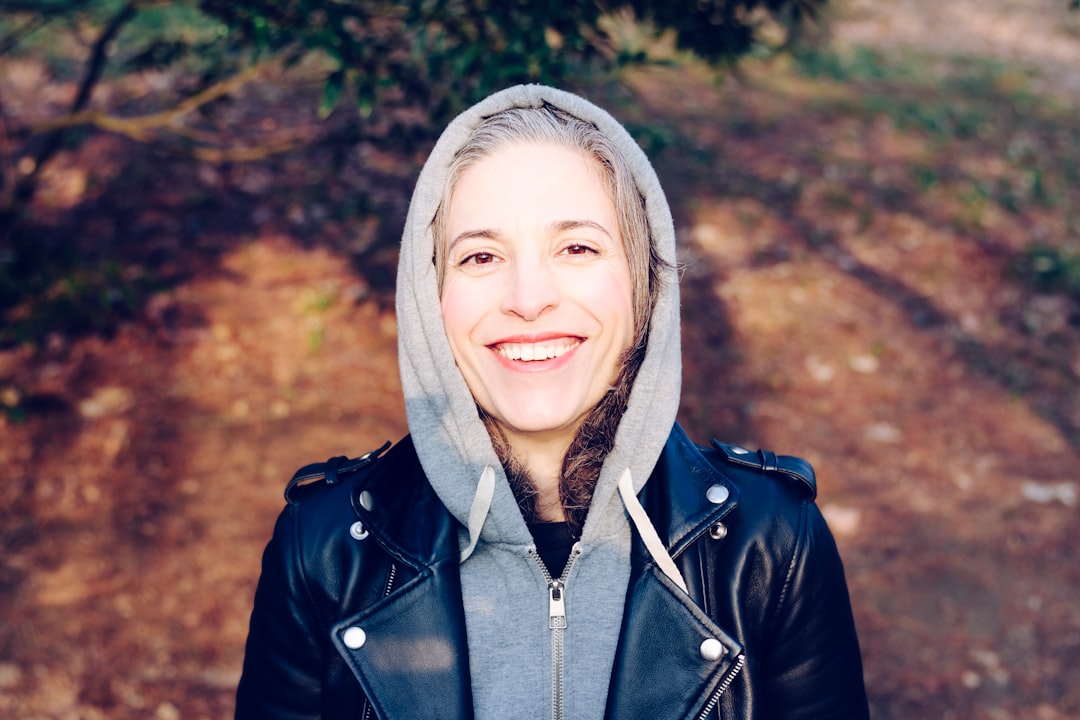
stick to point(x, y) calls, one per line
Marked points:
point(554, 543)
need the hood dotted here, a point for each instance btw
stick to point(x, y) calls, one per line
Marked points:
point(450, 439)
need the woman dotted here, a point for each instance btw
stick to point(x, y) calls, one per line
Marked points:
point(547, 542)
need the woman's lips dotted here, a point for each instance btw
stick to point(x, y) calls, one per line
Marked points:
point(535, 351)
point(547, 352)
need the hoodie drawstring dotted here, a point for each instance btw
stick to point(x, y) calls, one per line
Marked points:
point(647, 532)
point(485, 491)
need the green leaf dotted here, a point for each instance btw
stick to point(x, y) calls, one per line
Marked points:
point(365, 105)
point(331, 93)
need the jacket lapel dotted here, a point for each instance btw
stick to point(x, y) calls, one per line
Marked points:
point(662, 670)
point(408, 650)
point(411, 658)
point(672, 658)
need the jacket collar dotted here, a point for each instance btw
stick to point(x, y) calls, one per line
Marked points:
point(401, 510)
point(685, 494)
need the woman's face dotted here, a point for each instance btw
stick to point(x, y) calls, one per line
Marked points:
point(537, 296)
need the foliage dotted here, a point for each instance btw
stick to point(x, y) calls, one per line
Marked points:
point(430, 57)
point(442, 55)
point(405, 68)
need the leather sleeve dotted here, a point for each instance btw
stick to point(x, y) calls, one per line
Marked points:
point(283, 660)
point(814, 668)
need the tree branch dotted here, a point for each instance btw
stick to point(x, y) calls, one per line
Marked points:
point(7, 168)
point(276, 146)
point(139, 127)
point(95, 67)
point(13, 38)
point(99, 55)
point(37, 7)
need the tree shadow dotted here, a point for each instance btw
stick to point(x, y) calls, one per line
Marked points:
point(107, 489)
point(700, 138)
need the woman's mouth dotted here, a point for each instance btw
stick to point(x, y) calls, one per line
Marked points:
point(535, 351)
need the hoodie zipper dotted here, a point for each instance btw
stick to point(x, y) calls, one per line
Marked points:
point(724, 685)
point(556, 591)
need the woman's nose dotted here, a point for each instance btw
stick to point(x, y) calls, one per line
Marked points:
point(531, 289)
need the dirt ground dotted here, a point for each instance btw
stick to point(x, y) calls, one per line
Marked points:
point(936, 395)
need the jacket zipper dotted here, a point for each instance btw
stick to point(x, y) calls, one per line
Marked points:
point(390, 579)
point(366, 714)
point(724, 685)
point(556, 589)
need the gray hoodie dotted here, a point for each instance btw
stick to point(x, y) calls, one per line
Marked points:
point(514, 656)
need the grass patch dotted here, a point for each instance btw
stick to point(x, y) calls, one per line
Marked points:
point(1028, 148)
point(1051, 270)
point(957, 98)
point(862, 64)
point(67, 294)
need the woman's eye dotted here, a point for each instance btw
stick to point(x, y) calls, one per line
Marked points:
point(578, 249)
point(478, 258)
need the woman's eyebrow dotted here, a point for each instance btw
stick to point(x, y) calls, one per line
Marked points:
point(484, 234)
point(559, 226)
point(565, 225)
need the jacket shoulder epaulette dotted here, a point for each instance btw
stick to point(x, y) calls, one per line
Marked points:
point(329, 472)
point(787, 466)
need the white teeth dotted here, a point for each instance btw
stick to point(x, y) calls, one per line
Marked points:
point(528, 352)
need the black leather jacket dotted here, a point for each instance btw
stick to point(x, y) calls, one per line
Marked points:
point(370, 546)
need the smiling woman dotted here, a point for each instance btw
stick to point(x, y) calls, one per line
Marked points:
point(537, 303)
point(547, 542)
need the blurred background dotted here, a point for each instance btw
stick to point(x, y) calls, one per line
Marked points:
point(200, 203)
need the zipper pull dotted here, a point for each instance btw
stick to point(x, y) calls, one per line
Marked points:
point(556, 605)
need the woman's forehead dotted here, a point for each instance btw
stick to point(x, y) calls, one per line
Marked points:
point(530, 181)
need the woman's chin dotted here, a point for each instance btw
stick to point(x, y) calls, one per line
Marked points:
point(541, 423)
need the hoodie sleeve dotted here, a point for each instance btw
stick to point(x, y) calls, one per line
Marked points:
point(814, 669)
point(282, 672)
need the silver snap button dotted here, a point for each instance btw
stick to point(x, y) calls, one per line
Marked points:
point(358, 531)
point(366, 501)
point(718, 531)
point(711, 649)
point(354, 638)
point(739, 450)
point(717, 494)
